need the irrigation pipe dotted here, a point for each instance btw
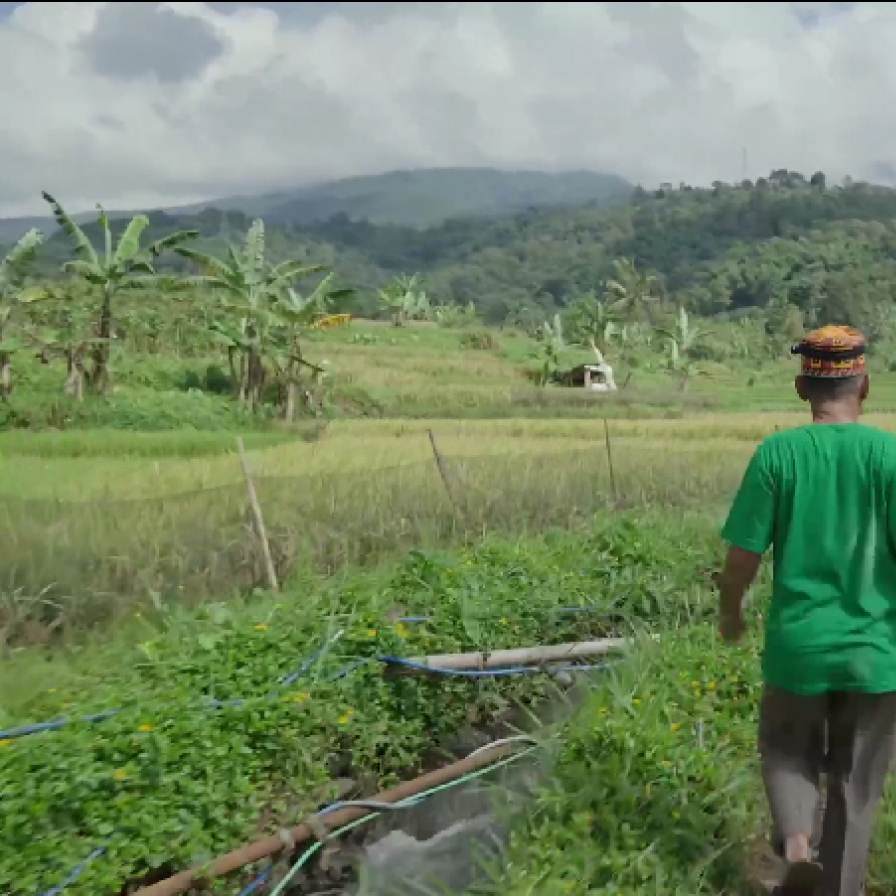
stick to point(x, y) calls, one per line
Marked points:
point(521, 656)
point(329, 822)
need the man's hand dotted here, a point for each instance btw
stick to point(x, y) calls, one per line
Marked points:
point(739, 573)
point(732, 625)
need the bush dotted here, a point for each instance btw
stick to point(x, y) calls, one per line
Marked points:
point(480, 339)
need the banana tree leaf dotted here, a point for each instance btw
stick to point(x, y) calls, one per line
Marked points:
point(82, 246)
point(92, 273)
point(129, 242)
point(21, 254)
point(172, 241)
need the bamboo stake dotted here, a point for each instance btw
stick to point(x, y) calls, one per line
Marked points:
point(523, 656)
point(440, 463)
point(260, 530)
point(610, 460)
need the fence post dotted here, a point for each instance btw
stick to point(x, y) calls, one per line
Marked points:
point(260, 530)
point(610, 460)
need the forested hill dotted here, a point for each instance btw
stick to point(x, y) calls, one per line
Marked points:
point(785, 240)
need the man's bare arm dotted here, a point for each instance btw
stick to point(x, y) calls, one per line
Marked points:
point(739, 573)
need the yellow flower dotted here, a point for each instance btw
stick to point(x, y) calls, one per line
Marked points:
point(51, 690)
point(300, 697)
point(402, 630)
point(260, 628)
point(119, 774)
point(636, 701)
point(504, 621)
point(665, 763)
point(675, 726)
point(146, 727)
point(712, 685)
point(371, 633)
point(344, 718)
point(5, 742)
point(676, 814)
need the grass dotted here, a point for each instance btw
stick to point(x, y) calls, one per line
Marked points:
point(419, 371)
point(107, 552)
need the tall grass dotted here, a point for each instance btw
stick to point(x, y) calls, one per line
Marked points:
point(81, 564)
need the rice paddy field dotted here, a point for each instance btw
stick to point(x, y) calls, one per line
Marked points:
point(131, 579)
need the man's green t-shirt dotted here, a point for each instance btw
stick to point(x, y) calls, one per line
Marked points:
point(824, 496)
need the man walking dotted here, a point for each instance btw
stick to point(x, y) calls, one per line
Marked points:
point(824, 498)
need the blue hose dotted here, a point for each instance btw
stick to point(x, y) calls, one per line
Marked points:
point(487, 673)
point(257, 883)
point(54, 724)
point(588, 608)
point(77, 871)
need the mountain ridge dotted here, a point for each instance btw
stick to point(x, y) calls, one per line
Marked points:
point(417, 198)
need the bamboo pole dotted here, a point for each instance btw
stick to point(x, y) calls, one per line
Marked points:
point(523, 656)
point(610, 459)
point(269, 846)
point(440, 463)
point(258, 519)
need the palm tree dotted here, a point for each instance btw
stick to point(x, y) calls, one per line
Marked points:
point(594, 322)
point(13, 295)
point(122, 267)
point(633, 291)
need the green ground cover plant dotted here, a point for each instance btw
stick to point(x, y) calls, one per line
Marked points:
point(167, 783)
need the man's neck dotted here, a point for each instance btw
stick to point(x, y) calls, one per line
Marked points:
point(836, 412)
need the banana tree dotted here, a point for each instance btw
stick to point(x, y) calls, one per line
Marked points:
point(681, 340)
point(119, 267)
point(298, 314)
point(552, 343)
point(60, 327)
point(404, 299)
point(13, 295)
point(252, 289)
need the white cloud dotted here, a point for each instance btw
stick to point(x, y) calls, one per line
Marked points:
point(145, 103)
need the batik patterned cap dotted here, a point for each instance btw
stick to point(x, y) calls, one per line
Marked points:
point(832, 351)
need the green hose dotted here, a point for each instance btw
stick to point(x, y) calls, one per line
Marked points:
point(403, 804)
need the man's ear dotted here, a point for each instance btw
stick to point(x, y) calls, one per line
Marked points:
point(799, 385)
point(865, 388)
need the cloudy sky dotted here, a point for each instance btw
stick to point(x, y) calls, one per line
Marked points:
point(161, 103)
